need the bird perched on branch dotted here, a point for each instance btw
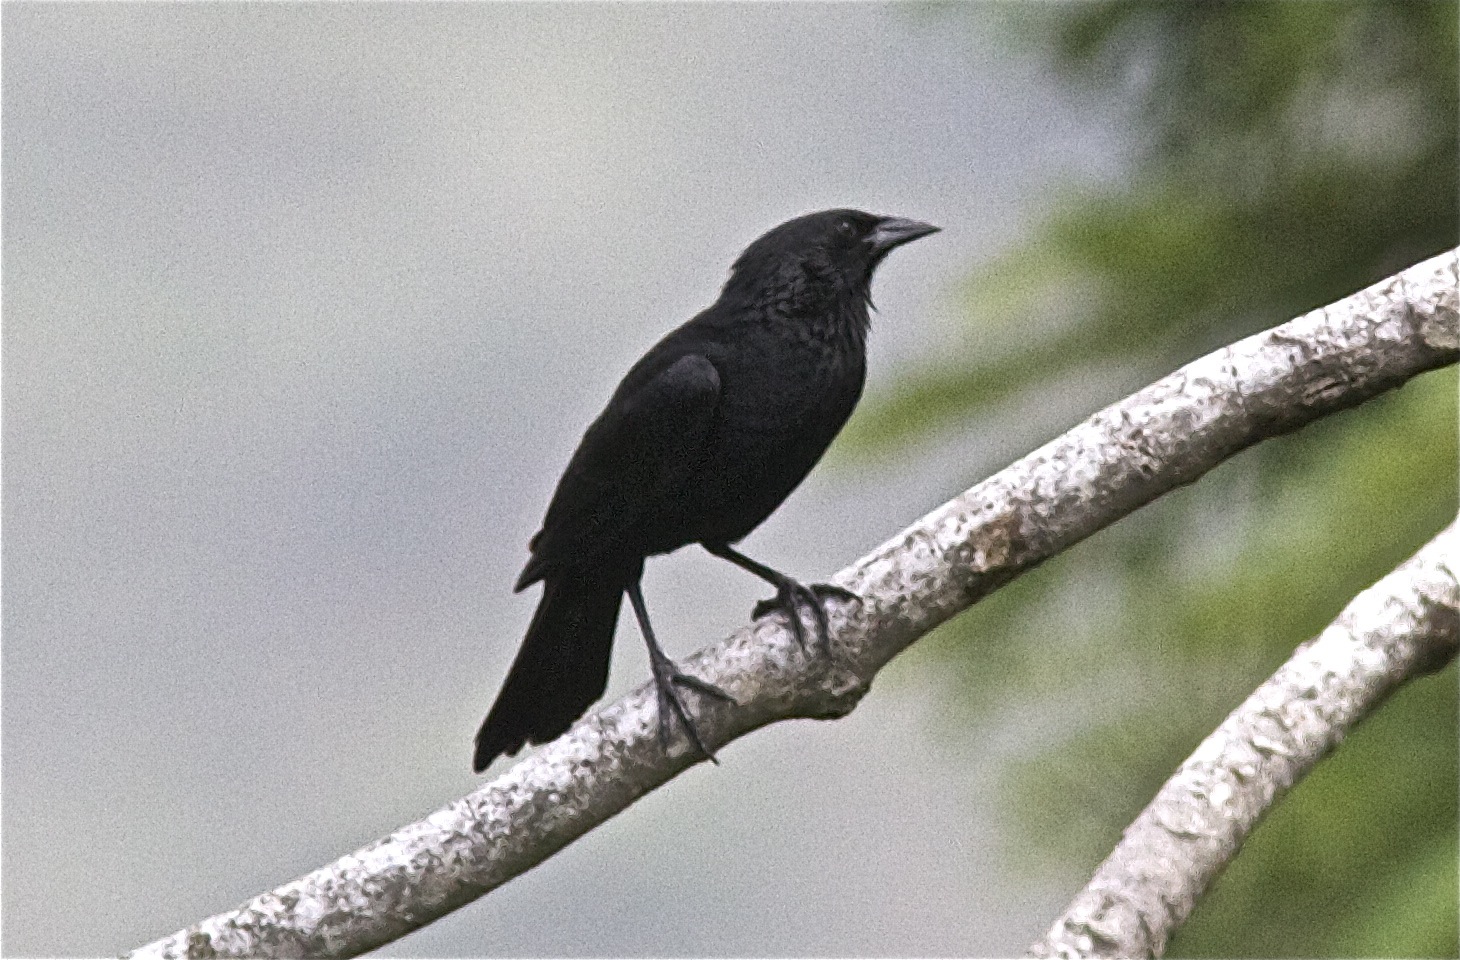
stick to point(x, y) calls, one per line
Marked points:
point(703, 439)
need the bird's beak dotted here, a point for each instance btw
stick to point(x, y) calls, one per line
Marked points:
point(895, 231)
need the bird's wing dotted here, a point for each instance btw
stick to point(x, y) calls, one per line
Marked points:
point(638, 452)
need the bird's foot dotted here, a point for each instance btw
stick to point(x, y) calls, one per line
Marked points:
point(667, 679)
point(788, 599)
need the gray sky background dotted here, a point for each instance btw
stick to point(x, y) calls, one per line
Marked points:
point(305, 308)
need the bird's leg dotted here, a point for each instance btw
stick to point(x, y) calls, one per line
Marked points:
point(790, 594)
point(667, 676)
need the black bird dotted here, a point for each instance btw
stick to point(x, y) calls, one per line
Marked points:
point(703, 439)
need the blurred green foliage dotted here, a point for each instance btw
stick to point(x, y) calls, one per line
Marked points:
point(1287, 154)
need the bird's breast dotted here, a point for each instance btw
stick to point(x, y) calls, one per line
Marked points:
point(786, 385)
point(773, 424)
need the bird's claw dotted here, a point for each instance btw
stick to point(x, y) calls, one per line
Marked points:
point(667, 677)
point(789, 597)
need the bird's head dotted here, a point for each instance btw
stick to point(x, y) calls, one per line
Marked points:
point(830, 254)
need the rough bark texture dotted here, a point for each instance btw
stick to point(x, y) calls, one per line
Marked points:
point(1127, 455)
point(1404, 626)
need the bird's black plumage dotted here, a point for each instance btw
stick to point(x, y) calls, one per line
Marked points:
point(707, 434)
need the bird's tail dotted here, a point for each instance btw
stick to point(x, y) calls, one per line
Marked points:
point(560, 670)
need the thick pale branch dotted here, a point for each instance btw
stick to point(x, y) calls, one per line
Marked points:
point(1127, 455)
point(1402, 627)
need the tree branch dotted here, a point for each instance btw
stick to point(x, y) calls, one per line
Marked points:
point(1404, 626)
point(1167, 435)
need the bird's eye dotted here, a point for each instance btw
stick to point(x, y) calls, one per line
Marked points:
point(846, 228)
